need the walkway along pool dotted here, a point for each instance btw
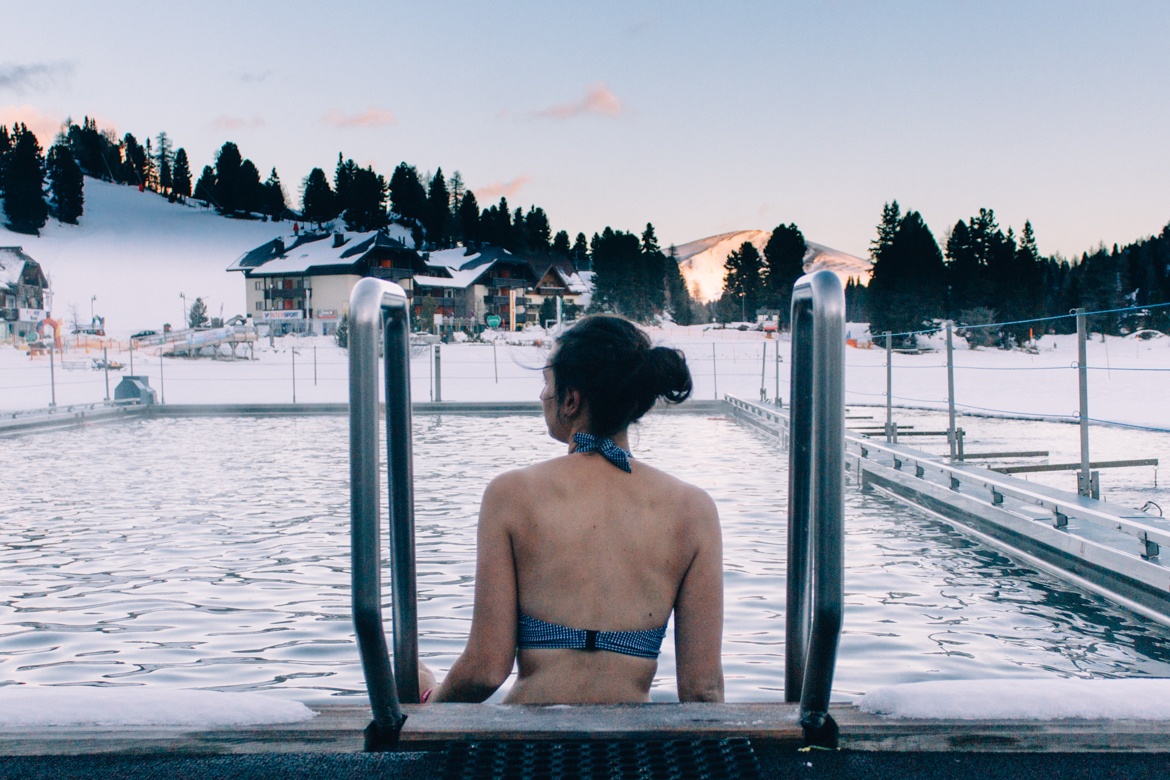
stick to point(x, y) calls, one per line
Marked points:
point(212, 553)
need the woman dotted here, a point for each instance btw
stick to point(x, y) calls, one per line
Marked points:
point(581, 559)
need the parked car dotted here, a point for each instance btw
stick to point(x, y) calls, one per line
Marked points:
point(144, 333)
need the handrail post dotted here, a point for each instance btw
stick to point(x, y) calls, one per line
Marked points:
point(375, 305)
point(816, 560)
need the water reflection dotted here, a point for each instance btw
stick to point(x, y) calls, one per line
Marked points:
point(213, 553)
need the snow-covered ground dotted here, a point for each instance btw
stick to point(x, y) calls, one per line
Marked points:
point(23, 706)
point(136, 253)
point(1129, 380)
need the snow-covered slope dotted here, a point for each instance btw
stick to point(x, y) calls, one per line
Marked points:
point(701, 262)
point(137, 253)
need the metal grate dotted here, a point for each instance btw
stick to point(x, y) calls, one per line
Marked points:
point(596, 760)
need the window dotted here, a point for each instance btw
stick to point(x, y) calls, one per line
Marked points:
point(259, 285)
point(259, 306)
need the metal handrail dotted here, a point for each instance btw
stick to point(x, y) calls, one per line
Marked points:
point(376, 305)
point(816, 509)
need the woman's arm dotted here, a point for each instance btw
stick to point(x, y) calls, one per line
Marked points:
point(698, 612)
point(491, 648)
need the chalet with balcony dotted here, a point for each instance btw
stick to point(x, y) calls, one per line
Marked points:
point(558, 279)
point(467, 288)
point(24, 293)
point(303, 283)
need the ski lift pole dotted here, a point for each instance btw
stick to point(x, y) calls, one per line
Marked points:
point(951, 394)
point(52, 380)
point(889, 387)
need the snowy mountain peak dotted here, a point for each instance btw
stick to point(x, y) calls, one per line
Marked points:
point(701, 261)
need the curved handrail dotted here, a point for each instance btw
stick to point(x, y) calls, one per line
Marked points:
point(376, 305)
point(816, 559)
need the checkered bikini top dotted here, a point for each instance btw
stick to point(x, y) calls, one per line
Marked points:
point(534, 634)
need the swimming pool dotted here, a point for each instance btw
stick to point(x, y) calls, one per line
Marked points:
point(213, 553)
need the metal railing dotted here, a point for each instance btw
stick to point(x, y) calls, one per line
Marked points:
point(816, 558)
point(378, 308)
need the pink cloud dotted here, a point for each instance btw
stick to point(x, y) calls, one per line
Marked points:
point(493, 192)
point(599, 99)
point(372, 117)
point(224, 122)
point(43, 126)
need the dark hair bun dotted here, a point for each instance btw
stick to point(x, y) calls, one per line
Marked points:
point(610, 361)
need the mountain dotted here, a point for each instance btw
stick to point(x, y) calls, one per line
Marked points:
point(701, 261)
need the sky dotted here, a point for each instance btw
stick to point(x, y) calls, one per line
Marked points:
point(700, 118)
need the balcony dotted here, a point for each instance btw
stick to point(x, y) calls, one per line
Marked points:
point(9, 315)
point(496, 300)
point(392, 274)
point(279, 293)
point(506, 283)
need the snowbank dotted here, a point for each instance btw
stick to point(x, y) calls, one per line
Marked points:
point(26, 707)
point(1012, 699)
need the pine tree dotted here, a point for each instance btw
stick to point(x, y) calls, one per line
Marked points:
point(181, 176)
point(560, 244)
point(317, 200)
point(250, 191)
point(197, 316)
point(678, 300)
point(653, 281)
point(907, 290)
point(437, 212)
point(230, 195)
point(274, 202)
point(458, 190)
point(163, 159)
point(407, 197)
point(24, 183)
point(205, 187)
point(5, 148)
point(783, 265)
point(367, 210)
point(134, 162)
point(537, 231)
point(343, 184)
point(469, 220)
point(580, 253)
point(891, 219)
point(66, 183)
point(743, 283)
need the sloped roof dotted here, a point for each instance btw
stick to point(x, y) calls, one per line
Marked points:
point(314, 252)
point(12, 264)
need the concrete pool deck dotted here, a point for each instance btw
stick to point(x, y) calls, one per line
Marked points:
point(339, 729)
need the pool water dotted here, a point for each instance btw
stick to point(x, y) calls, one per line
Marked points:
point(213, 553)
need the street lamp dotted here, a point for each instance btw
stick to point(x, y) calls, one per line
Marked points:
point(92, 317)
point(742, 310)
point(183, 322)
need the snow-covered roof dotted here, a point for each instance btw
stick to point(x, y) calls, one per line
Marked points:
point(313, 251)
point(12, 262)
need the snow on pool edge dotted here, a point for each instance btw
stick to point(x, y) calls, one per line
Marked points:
point(1014, 699)
point(22, 706)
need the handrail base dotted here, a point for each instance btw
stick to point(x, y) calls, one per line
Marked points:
point(383, 738)
point(820, 730)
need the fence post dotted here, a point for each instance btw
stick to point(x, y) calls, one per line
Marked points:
point(495, 363)
point(106, 362)
point(293, 352)
point(763, 372)
point(131, 357)
point(162, 380)
point(715, 370)
point(1084, 478)
point(438, 375)
point(777, 398)
point(889, 387)
point(52, 379)
point(951, 393)
point(314, 365)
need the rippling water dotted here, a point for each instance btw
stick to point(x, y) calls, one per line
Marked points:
point(213, 553)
